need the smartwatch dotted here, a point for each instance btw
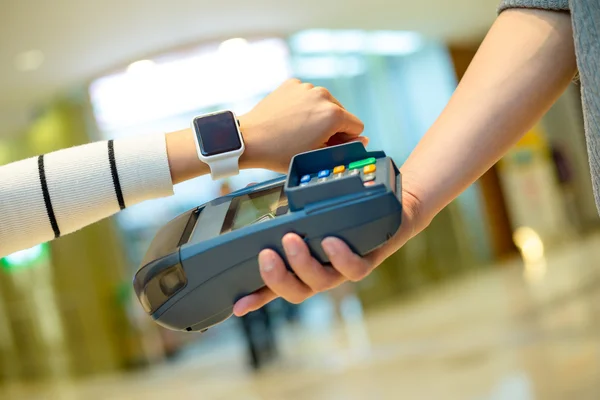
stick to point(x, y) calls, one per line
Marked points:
point(219, 142)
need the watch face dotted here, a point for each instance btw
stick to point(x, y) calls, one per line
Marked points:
point(217, 134)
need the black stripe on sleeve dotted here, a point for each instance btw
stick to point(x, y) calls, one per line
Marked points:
point(47, 200)
point(115, 174)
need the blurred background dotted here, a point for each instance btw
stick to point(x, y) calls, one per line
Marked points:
point(497, 299)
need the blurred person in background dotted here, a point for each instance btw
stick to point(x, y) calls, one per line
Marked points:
point(45, 197)
point(527, 60)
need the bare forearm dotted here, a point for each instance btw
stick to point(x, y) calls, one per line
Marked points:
point(525, 63)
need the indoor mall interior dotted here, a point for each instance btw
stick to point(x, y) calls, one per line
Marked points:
point(498, 299)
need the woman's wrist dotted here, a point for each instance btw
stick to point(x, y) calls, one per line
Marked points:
point(183, 157)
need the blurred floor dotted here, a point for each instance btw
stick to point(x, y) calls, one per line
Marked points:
point(492, 335)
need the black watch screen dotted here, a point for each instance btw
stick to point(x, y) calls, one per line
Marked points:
point(217, 133)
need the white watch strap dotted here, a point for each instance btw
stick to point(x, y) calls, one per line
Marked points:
point(224, 168)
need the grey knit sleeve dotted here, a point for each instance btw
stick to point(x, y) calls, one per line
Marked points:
point(555, 5)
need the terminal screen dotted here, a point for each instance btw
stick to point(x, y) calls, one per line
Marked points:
point(254, 208)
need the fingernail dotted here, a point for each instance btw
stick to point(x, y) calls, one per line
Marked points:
point(331, 246)
point(291, 247)
point(236, 310)
point(266, 262)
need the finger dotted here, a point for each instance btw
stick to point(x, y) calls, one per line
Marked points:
point(341, 138)
point(363, 139)
point(350, 124)
point(281, 281)
point(344, 260)
point(307, 85)
point(326, 94)
point(292, 81)
point(317, 277)
point(337, 102)
point(251, 184)
point(253, 301)
point(333, 99)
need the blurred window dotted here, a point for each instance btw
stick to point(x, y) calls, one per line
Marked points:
point(173, 86)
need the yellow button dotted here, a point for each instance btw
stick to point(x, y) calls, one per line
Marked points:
point(339, 169)
point(369, 169)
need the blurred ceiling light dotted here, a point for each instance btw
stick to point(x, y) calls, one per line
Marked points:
point(394, 43)
point(530, 243)
point(329, 67)
point(29, 60)
point(319, 41)
point(233, 45)
point(140, 66)
point(532, 251)
point(351, 41)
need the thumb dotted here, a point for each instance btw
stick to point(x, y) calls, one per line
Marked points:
point(363, 139)
point(341, 138)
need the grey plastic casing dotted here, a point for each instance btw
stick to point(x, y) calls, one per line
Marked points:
point(218, 269)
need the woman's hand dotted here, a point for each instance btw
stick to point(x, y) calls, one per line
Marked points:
point(311, 277)
point(524, 64)
point(295, 118)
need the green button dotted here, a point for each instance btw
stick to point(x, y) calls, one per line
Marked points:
point(362, 163)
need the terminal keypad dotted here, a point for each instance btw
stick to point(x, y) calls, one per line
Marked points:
point(366, 169)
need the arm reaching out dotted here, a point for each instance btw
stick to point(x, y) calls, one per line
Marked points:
point(51, 195)
point(45, 197)
point(524, 64)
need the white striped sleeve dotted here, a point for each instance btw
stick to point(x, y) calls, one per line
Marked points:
point(49, 196)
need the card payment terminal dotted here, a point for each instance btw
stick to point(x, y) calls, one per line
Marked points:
point(202, 261)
